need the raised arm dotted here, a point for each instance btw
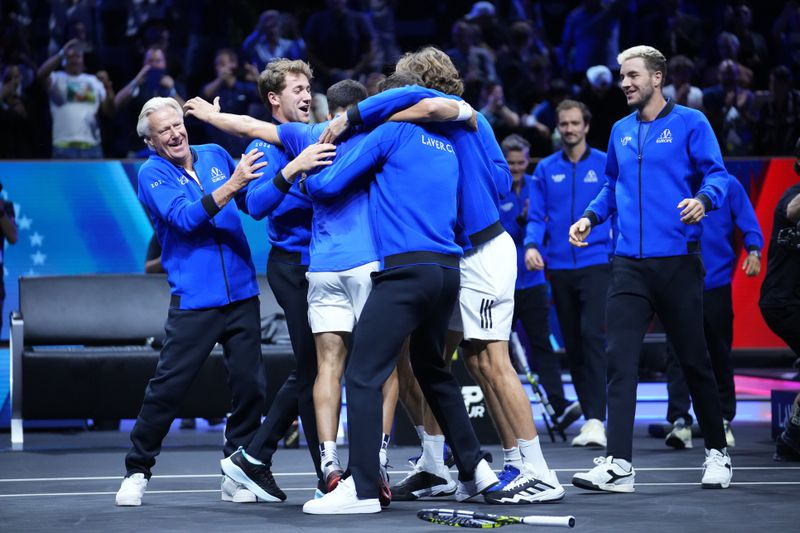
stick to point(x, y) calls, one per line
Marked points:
point(241, 125)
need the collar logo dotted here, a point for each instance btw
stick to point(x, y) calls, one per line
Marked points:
point(217, 175)
point(665, 137)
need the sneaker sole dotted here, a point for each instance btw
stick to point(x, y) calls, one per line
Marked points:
point(128, 503)
point(236, 474)
point(423, 493)
point(717, 485)
point(605, 487)
point(370, 506)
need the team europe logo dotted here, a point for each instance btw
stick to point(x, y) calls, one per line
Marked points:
point(217, 175)
point(590, 177)
point(665, 137)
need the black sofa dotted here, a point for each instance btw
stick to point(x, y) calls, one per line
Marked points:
point(86, 346)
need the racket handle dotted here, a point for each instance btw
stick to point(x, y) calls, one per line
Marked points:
point(559, 521)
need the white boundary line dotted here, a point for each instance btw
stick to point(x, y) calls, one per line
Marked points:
point(300, 474)
point(311, 489)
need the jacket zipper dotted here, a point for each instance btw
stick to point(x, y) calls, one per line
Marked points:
point(219, 247)
point(572, 212)
point(640, 142)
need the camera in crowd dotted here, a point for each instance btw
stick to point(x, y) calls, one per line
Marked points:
point(790, 238)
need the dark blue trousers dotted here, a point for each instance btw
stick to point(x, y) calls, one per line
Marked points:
point(296, 396)
point(580, 298)
point(414, 300)
point(190, 337)
point(672, 287)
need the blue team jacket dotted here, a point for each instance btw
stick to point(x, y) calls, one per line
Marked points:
point(560, 192)
point(484, 173)
point(203, 247)
point(651, 167)
point(412, 199)
point(341, 233)
point(719, 257)
point(512, 207)
point(287, 208)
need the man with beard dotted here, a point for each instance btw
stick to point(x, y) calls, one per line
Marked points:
point(664, 172)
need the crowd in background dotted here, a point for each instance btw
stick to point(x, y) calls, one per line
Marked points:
point(75, 73)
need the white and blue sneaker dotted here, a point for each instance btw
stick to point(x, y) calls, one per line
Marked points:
point(528, 487)
point(509, 474)
point(608, 475)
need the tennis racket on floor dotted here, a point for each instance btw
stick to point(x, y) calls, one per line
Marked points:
point(458, 518)
point(549, 414)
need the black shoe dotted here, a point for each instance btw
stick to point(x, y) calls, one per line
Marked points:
point(419, 484)
point(571, 413)
point(257, 478)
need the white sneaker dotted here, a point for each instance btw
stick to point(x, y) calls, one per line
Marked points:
point(717, 470)
point(232, 491)
point(681, 435)
point(342, 500)
point(131, 491)
point(607, 475)
point(484, 479)
point(593, 433)
point(528, 487)
point(729, 439)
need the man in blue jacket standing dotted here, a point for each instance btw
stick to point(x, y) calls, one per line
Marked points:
point(187, 190)
point(664, 173)
point(719, 259)
point(564, 183)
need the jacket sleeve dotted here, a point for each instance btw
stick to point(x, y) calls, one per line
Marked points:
point(377, 109)
point(347, 168)
point(604, 204)
point(536, 227)
point(744, 216)
point(501, 174)
point(707, 158)
point(266, 193)
point(296, 136)
point(167, 200)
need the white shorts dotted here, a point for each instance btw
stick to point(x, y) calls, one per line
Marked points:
point(486, 299)
point(335, 299)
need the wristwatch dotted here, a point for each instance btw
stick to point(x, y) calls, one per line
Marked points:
point(756, 253)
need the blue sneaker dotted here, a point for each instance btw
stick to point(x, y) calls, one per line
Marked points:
point(508, 475)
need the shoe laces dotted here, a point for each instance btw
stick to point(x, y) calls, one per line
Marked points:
point(714, 458)
point(508, 474)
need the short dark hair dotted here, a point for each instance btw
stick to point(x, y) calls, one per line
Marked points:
point(514, 143)
point(345, 93)
point(399, 79)
point(782, 73)
point(574, 104)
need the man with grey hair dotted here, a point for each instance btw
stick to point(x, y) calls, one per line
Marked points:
point(188, 192)
point(664, 172)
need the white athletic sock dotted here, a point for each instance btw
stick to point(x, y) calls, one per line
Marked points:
point(382, 454)
point(432, 458)
point(531, 452)
point(420, 432)
point(511, 456)
point(329, 458)
point(626, 465)
point(251, 459)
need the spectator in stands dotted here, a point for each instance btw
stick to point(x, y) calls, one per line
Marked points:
point(544, 113)
point(474, 63)
point(777, 114)
point(235, 96)
point(341, 43)
point(729, 108)
point(266, 42)
point(681, 70)
point(786, 35)
point(753, 51)
point(591, 36)
point(383, 20)
point(515, 66)
point(152, 80)
point(728, 48)
point(75, 99)
point(373, 81)
point(669, 28)
point(16, 126)
point(491, 33)
point(606, 101)
point(494, 108)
